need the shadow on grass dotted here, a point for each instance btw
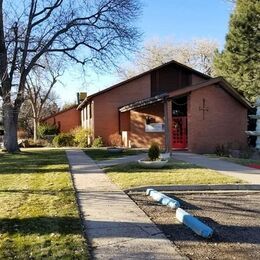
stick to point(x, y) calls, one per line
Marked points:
point(45, 192)
point(135, 167)
point(35, 156)
point(71, 225)
point(31, 170)
point(103, 154)
point(40, 225)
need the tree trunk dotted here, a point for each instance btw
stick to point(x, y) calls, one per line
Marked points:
point(35, 129)
point(36, 113)
point(10, 115)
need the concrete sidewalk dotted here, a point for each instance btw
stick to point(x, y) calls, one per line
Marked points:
point(247, 174)
point(115, 226)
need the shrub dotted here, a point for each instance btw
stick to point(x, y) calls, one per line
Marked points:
point(38, 143)
point(21, 134)
point(221, 150)
point(81, 136)
point(246, 153)
point(154, 152)
point(98, 142)
point(63, 139)
point(47, 129)
point(115, 140)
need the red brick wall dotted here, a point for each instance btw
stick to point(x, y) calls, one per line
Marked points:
point(125, 121)
point(106, 114)
point(225, 122)
point(68, 119)
point(138, 136)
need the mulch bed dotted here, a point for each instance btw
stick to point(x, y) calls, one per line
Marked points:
point(234, 217)
point(254, 165)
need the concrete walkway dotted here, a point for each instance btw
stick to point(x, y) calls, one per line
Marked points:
point(247, 174)
point(115, 226)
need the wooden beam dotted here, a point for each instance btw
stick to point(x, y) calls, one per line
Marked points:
point(167, 125)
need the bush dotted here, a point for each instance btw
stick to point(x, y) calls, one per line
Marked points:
point(21, 134)
point(47, 129)
point(81, 136)
point(98, 142)
point(246, 153)
point(63, 139)
point(39, 143)
point(154, 152)
point(222, 151)
point(115, 140)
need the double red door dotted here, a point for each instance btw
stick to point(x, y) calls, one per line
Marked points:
point(179, 132)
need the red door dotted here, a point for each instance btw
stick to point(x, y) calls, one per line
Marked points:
point(179, 132)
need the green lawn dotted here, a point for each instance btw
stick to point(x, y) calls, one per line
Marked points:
point(100, 154)
point(242, 161)
point(245, 162)
point(39, 218)
point(176, 172)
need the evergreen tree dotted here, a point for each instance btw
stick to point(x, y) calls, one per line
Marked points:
point(239, 61)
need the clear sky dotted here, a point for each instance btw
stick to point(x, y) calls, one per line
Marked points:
point(176, 20)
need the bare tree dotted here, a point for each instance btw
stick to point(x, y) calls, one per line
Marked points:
point(26, 117)
point(39, 86)
point(197, 54)
point(86, 31)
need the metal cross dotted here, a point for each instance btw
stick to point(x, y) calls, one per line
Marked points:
point(203, 108)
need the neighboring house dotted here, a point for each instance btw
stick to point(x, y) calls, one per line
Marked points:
point(66, 119)
point(173, 105)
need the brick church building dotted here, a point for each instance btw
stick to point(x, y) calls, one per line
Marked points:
point(173, 105)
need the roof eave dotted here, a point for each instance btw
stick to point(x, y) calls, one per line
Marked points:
point(228, 87)
point(143, 74)
point(143, 102)
point(215, 81)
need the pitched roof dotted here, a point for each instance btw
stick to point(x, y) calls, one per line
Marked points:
point(218, 80)
point(139, 76)
point(59, 112)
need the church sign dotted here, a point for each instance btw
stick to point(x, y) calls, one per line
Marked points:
point(154, 128)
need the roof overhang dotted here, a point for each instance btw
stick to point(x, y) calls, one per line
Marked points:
point(143, 103)
point(59, 112)
point(172, 62)
point(215, 81)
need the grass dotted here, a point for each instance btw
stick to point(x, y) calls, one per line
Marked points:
point(242, 161)
point(38, 214)
point(175, 173)
point(100, 154)
point(245, 162)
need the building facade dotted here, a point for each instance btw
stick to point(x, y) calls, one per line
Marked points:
point(65, 120)
point(172, 105)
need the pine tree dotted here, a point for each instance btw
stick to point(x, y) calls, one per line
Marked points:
point(239, 61)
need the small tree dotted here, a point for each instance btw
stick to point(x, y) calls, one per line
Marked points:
point(39, 89)
point(154, 152)
point(26, 117)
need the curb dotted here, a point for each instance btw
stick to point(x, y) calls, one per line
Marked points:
point(204, 187)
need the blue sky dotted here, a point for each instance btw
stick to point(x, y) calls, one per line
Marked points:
point(176, 20)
